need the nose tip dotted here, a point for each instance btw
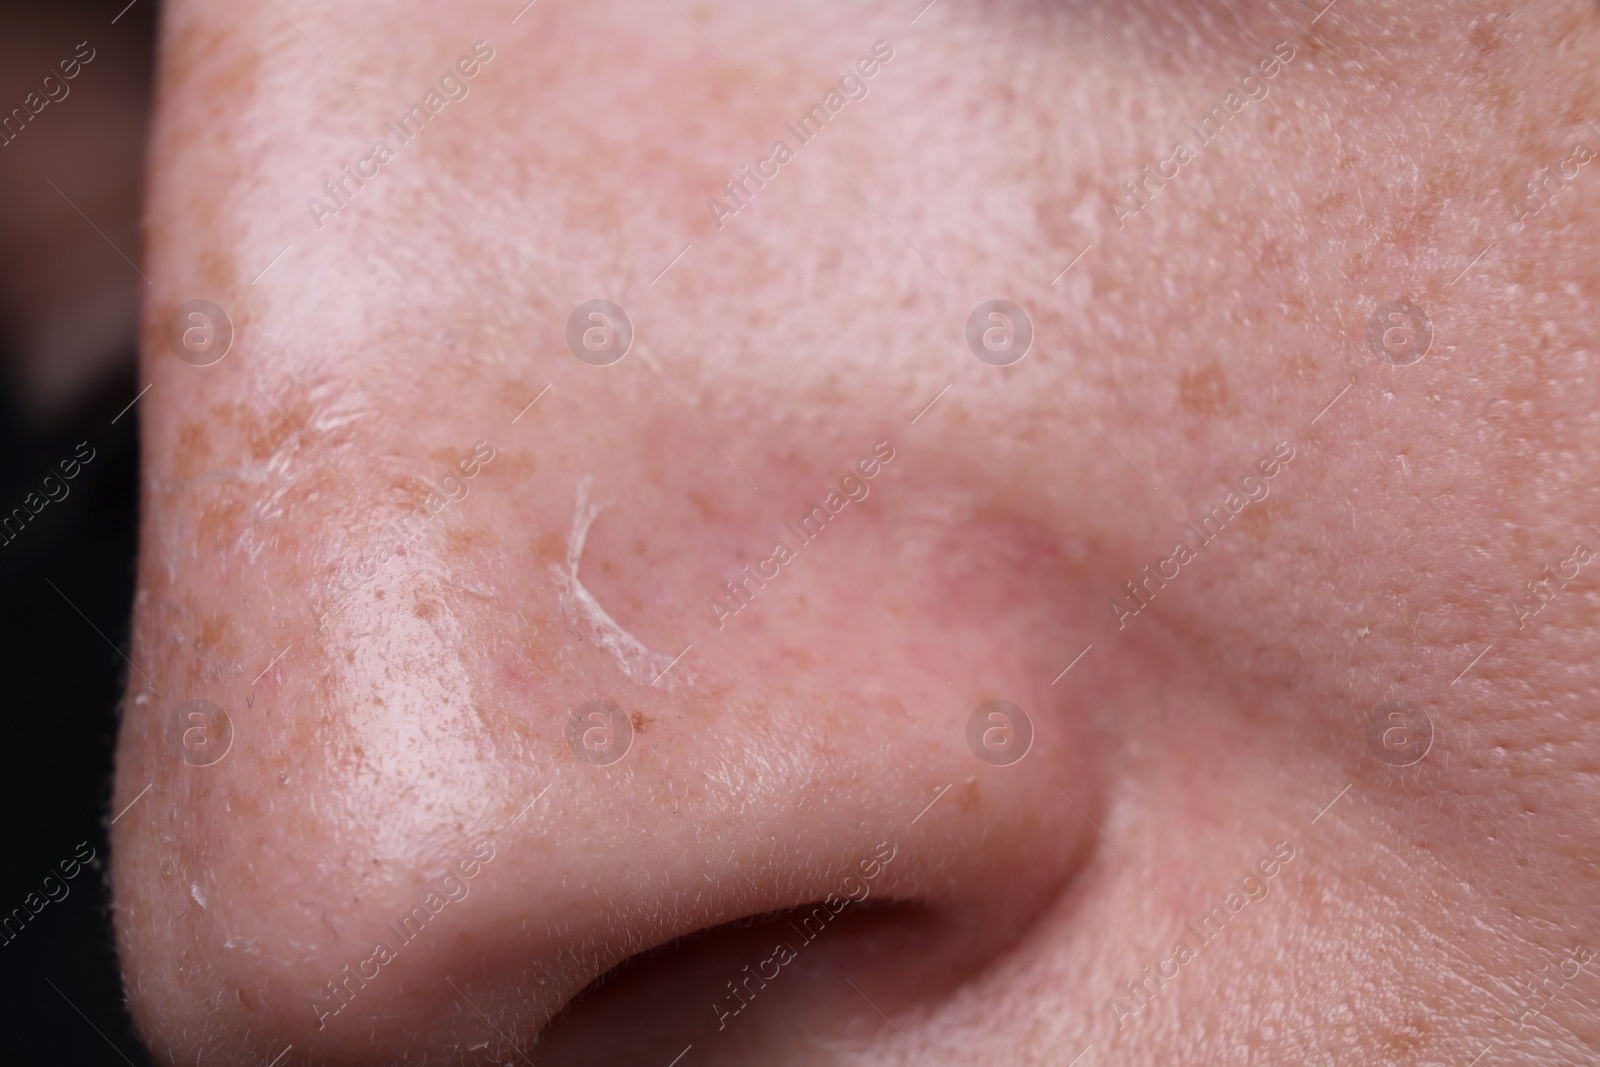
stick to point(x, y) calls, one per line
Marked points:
point(776, 824)
point(492, 931)
point(432, 845)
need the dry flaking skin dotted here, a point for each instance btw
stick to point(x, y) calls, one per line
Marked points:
point(1443, 883)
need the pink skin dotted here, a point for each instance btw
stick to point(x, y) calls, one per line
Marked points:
point(1210, 750)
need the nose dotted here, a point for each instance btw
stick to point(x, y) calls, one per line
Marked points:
point(495, 811)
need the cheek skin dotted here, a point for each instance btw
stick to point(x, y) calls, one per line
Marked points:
point(420, 725)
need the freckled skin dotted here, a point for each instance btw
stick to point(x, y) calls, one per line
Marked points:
point(399, 661)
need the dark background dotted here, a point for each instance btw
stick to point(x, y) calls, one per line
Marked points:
point(69, 211)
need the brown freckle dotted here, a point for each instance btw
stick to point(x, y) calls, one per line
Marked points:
point(1274, 255)
point(281, 424)
point(1203, 392)
point(550, 549)
point(217, 270)
point(704, 505)
point(213, 632)
point(1485, 37)
point(1307, 887)
point(261, 439)
point(246, 1000)
point(1257, 520)
point(969, 797)
point(194, 451)
point(1334, 202)
point(458, 541)
point(797, 655)
point(378, 594)
point(425, 609)
point(1405, 1038)
point(641, 722)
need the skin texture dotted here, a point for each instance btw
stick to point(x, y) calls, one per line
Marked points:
point(380, 745)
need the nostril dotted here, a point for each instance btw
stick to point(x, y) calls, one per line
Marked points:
point(758, 985)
